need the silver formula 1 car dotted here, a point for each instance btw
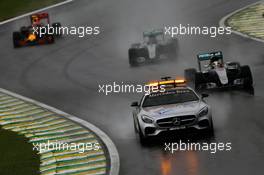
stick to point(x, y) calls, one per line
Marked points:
point(215, 73)
point(175, 108)
point(154, 47)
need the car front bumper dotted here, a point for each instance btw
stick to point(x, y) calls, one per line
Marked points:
point(154, 129)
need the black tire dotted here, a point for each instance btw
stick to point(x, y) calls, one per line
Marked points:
point(132, 56)
point(16, 38)
point(210, 131)
point(50, 39)
point(198, 80)
point(135, 125)
point(247, 75)
point(143, 140)
point(189, 75)
point(211, 128)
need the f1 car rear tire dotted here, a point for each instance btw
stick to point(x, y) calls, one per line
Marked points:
point(198, 80)
point(247, 75)
point(50, 39)
point(16, 39)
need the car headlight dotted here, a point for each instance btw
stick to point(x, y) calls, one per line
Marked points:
point(147, 119)
point(203, 112)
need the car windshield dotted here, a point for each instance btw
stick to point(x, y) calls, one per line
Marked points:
point(170, 97)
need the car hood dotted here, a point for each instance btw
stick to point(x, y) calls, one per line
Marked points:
point(189, 108)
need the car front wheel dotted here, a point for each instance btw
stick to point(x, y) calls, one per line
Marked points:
point(143, 139)
point(210, 129)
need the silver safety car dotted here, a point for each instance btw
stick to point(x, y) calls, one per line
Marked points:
point(174, 107)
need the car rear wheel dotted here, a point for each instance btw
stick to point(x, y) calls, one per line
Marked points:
point(198, 80)
point(50, 39)
point(16, 39)
point(247, 75)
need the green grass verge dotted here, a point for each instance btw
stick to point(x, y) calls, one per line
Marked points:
point(16, 155)
point(12, 8)
point(249, 21)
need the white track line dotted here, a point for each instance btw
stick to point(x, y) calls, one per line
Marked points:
point(36, 11)
point(113, 153)
point(223, 20)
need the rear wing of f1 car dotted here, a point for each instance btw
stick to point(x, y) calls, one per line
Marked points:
point(209, 56)
point(212, 56)
point(153, 33)
point(36, 18)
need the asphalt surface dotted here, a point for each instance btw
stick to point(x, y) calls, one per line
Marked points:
point(66, 75)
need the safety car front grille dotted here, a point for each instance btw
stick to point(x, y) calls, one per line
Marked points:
point(176, 121)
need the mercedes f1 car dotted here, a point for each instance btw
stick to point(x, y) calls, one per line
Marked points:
point(215, 73)
point(28, 36)
point(173, 108)
point(154, 46)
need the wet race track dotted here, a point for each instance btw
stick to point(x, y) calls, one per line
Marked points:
point(66, 75)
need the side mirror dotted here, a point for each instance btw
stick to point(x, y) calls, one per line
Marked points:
point(134, 104)
point(205, 95)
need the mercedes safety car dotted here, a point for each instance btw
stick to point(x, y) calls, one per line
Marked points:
point(213, 72)
point(173, 107)
point(154, 46)
point(30, 35)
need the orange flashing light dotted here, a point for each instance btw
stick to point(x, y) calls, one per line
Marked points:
point(168, 82)
point(180, 81)
point(153, 84)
